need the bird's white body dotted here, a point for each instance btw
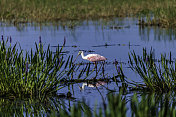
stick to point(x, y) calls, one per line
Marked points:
point(93, 57)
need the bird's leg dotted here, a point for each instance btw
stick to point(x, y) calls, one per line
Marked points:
point(103, 68)
point(96, 68)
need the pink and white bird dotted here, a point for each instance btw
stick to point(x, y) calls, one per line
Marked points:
point(92, 57)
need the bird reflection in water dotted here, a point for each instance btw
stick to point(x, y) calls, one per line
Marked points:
point(96, 84)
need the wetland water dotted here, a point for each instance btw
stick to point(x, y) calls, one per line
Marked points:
point(113, 40)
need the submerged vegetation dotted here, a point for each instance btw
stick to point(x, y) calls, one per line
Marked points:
point(150, 12)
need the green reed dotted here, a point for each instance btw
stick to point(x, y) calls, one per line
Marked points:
point(157, 75)
point(153, 105)
point(34, 74)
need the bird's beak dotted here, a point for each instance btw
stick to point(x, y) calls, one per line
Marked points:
point(79, 53)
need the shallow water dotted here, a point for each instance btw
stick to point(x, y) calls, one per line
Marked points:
point(113, 40)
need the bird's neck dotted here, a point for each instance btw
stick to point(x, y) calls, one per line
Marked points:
point(82, 54)
point(83, 85)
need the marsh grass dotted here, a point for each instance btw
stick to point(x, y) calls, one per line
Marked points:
point(153, 105)
point(157, 12)
point(34, 74)
point(157, 75)
point(163, 16)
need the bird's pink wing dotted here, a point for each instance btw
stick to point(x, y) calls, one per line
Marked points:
point(96, 58)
